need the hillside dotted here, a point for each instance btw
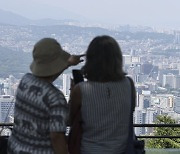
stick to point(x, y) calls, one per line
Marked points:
point(12, 62)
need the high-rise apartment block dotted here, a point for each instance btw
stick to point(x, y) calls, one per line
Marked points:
point(6, 108)
point(177, 38)
point(168, 80)
point(139, 118)
point(176, 84)
point(66, 84)
point(177, 105)
point(127, 59)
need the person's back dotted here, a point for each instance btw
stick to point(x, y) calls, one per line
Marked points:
point(105, 114)
point(37, 102)
point(41, 110)
point(105, 99)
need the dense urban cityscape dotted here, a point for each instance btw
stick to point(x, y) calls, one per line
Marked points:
point(151, 59)
point(41, 112)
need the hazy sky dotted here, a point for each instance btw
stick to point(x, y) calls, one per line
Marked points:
point(158, 13)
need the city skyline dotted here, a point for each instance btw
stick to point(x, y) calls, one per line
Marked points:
point(162, 14)
point(148, 33)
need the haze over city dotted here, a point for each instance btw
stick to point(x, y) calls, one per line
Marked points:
point(148, 33)
point(154, 13)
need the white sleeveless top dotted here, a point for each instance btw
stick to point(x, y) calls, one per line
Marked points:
point(105, 115)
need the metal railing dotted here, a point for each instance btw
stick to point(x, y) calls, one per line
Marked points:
point(10, 125)
point(157, 125)
point(6, 124)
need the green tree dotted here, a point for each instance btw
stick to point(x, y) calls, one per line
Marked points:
point(164, 131)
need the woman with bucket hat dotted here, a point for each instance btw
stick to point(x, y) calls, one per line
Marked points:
point(41, 110)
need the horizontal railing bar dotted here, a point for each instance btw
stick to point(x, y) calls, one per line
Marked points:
point(135, 125)
point(6, 124)
point(158, 136)
point(156, 125)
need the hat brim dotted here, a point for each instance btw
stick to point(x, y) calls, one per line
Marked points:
point(54, 67)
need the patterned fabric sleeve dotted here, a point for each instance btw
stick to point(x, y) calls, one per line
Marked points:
point(58, 110)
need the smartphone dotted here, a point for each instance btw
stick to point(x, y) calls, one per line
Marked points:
point(77, 76)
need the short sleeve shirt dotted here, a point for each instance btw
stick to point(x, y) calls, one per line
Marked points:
point(40, 108)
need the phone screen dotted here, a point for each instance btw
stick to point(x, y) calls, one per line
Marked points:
point(77, 76)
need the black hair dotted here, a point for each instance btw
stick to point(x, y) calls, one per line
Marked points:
point(103, 60)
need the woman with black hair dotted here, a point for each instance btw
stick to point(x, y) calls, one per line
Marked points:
point(104, 99)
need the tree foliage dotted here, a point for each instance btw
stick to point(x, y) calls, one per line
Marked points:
point(165, 131)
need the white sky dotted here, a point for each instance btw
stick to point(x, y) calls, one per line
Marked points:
point(134, 12)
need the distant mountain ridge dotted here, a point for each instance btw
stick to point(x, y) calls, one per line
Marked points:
point(18, 35)
point(10, 18)
point(7, 17)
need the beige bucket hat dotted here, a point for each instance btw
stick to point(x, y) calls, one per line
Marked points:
point(48, 58)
